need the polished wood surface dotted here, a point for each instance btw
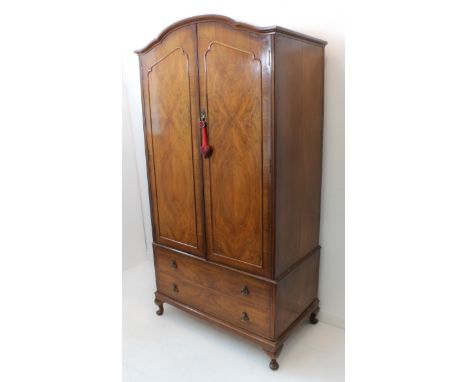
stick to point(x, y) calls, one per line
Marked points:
point(273, 355)
point(231, 309)
point(232, 92)
point(170, 92)
point(299, 68)
point(236, 234)
point(264, 342)
point(235, 25)
point(230, 283)
point(268, 345)
point(295, 292)
point(171, 130)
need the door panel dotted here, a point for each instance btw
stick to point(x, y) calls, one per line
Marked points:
point(235, 125)
point(235, 75)
point(170, 84)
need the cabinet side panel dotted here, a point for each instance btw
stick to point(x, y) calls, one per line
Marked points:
point(299, 71)
point(296, 292)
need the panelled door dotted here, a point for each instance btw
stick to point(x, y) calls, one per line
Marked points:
point(169, 78)
point(235, 92)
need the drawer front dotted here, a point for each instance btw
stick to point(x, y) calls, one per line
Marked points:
point(230, 283)
point(226, 308)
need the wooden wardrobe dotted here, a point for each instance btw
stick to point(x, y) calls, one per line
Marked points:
point(233, 121)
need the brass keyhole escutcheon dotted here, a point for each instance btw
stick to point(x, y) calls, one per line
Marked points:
point(173, 264)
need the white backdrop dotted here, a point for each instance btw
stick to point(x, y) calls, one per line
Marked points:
point(143, 22)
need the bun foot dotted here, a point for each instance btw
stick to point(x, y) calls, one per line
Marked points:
point(273, 353)
point(274, 365)
point(313, 318)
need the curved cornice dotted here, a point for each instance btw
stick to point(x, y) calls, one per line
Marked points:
point(234, 24)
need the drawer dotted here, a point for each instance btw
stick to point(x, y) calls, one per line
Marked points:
point(230, 283)
point(219, 305)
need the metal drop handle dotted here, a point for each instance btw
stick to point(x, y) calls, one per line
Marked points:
point(205, 148)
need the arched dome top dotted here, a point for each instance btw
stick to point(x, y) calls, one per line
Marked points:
point(234, 24)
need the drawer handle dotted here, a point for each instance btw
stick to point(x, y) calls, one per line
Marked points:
point(175, 288)
point(173, 264)
point(245, 291)
point(245, 317)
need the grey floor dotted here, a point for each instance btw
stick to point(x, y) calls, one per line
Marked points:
point(179, 347)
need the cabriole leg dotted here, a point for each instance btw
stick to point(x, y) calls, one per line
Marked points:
point(160, 311)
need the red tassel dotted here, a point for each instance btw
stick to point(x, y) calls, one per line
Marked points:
point(205, 148)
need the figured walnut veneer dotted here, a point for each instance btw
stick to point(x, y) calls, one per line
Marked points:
point(236, 233)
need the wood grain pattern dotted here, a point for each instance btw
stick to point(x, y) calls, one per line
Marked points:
point(296, 292)
point(236, 234)
point(217, 304)
point(270, 345)
point(236, 25)
point(265, 343)
point(171, 130)
point(236, 166)
point(230, 283)
point(170, 88)
point(231, 68)
point(299, 130)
